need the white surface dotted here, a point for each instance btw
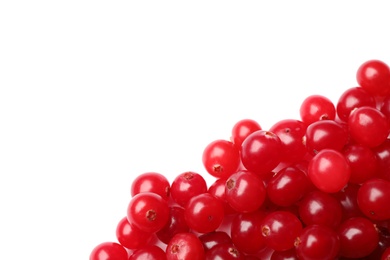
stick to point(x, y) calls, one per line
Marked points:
point(93, 93)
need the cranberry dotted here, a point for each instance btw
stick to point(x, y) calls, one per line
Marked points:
point(245, 191)
point(351, 99)
point(320, 208)
point(217, 189)
point(186, 185)
point(291, 133)
point(185, 246)
point(329, 170)
point(325, 134)
point(204, 213)
point(150, 252)
point(288, 186)
point(148, 211)
point(242, 129)
point(175, 224)
point(225, 252)
point(317, 242)
point(315, 108)
point(374, 76)
point(368, 126)
point(221, 158)
point(211, 239)
point(108, 251)
point(260, 152)
point(358, 237)
point(130, 236)
point(373, 199)
point(246, 232)
point(280, 229)
point(151, 182)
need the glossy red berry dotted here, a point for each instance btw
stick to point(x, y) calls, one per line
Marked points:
point(374, 76)
point(260, 152)
point(358, 237)
point(317, 242)
point(368, 126)
point(221, 158)
point(149, 252)
point(187, 185)
point(175, 224)
point(245, 231)
point(204, 213)
point(291, 133)
point(148, 211)
point(217, 189)
point(315, 108)
point(242, 129)
point(280, 229)
point(325, 134)
point(245, 191)
point(185, 246)
point(288, 186)
point(362, 161)
point(320, 208)
point(151, 182)
point(374, 199)
point(130, 236)
point(225, 252)
point(329, 170)
point(351, 99)
point(211, 239)
point(109, 251)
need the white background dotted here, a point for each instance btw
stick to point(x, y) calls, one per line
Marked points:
point(93, 93)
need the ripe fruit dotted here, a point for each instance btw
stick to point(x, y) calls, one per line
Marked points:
point(317, 187)
point(260, 152)
point(148, 211)
point(329, 171)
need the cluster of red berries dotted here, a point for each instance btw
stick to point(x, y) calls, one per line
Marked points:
point(314, 188)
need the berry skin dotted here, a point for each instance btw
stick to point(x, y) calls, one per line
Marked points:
point(358, 237)
point(221, 158)
point(151, 182)
point(148, 211)
point(185, 246)
point(150, 252)
point(315, 108)
point(374, 76)
point(325, 134)
point(280, 229)
point(320, 208)
point(260, 152)
point(211, 239)
point(374, 199)
point(225, 252)
point(353, 98)
point(242, 129)
point(245, 232)
point(329, 171)
point(287, 186)
point(204, 213)
point(291, 133)
point(175, 224)
point(130, 236)
point(108, 251)
point(187, 185)
point(368, 126)
point(245, 191)
point(317, 242)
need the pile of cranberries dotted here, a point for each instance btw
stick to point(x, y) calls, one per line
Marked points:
point(313, 188)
